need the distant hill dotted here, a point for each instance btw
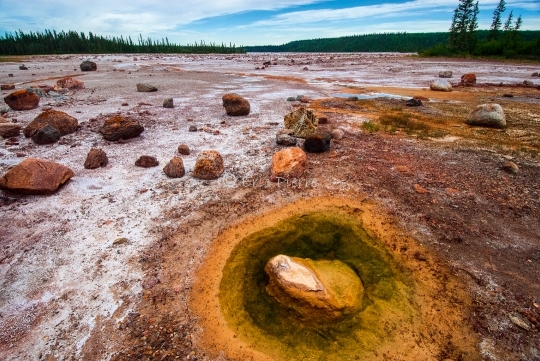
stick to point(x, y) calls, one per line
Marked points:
point(387, 42)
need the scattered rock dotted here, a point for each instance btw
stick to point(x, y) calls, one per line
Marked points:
point(69, 83)
point(175, 168)
point(143, 87)
point(304, 100)
point(318, 143)
point(510, 167)
point(316, 291)
point(519, 321)
point(298, 97)
point(209, 165)
point(487, 115)
point(120, 127)
point(10, 75)
point(323, 118)
point(168, 103)
point(7, 86)
point(305, 68)
point(413, 103)
point(535, 74)
point(528, 83)
point(35, 176)
point(419, 189)
point(22, 100)
point(150, 282)
point(146, 161)
point(96, 158)
point(183, 149)
point(352, 98)
point(119, 241)
point(46, 135)
point(286, 137)
point(288, 163)
point(235, 105)
point(38, 91)
point(291, 99)
point(192, 128)
point(445, 74)
point(302, 121)
point(8, 130)
point(62, 122)
point(508, 95)
point(23, 67)
point(337, 133)
point(88, 65)
point(468, 79)
point(440, 85)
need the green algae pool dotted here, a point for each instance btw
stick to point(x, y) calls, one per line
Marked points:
point(388, 305)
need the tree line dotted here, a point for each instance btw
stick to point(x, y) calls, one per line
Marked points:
point(72, 42)
point(501, 40)
point(388, 42)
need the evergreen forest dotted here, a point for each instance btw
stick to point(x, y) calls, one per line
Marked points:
point(72, 42)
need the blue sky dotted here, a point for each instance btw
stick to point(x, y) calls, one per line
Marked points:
point(247, 22)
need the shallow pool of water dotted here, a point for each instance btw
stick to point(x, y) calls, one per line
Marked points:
point(369, 96)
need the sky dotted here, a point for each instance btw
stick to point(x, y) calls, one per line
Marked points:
point(247, 22)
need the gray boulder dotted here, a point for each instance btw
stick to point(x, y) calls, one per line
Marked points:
point(487, 115)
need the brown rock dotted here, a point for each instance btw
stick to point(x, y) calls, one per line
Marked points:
point(175, 168)
point(235, 105)
point(8, 130)
point(46, 135)
point(303, 121)
point(183, 149)
point(288, 163)
point(209, 165)
point(7, 86)
point(510, 167)
point(22, 100)
point(120, 127)
point(88, 65)
point(96, 158)
point(62, 122)
point(70, 83)
point(146, 161)
point(468, 79)
point(323, 118)
point(419, 189)
point(35, 176)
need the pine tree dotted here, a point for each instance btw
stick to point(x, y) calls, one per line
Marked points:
point(462, 36)
point(508, 23)
point(496, 24)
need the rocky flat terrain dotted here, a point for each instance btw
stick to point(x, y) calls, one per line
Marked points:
point(101, 256)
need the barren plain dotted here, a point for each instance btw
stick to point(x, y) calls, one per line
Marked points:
point(430, 187)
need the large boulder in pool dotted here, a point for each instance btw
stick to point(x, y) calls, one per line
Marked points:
point(314, 291)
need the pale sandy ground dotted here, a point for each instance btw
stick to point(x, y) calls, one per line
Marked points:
point(59, 272)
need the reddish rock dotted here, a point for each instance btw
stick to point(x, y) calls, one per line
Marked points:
point(323, 118)
point(35, 176)
point(419, 189)
point(70, 83)
point(8, 130)
point(318, 143)
point(209, 165)
point(62, 122)
point(235, 105)
point(96, 158)
point(175, 168)
point(183, 149)
point(288, 163)
point(147, 161)
point(7, 86)
point(120, 127)
point(22, 100)
point(468, 79)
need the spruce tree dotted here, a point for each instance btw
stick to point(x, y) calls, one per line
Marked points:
point(462, 36)
point(496, 24)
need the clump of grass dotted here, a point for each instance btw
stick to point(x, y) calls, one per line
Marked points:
point(370, 127)
point(394, 121)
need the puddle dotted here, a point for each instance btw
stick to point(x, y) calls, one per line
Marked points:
point(369, 96)
point(402, 288)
